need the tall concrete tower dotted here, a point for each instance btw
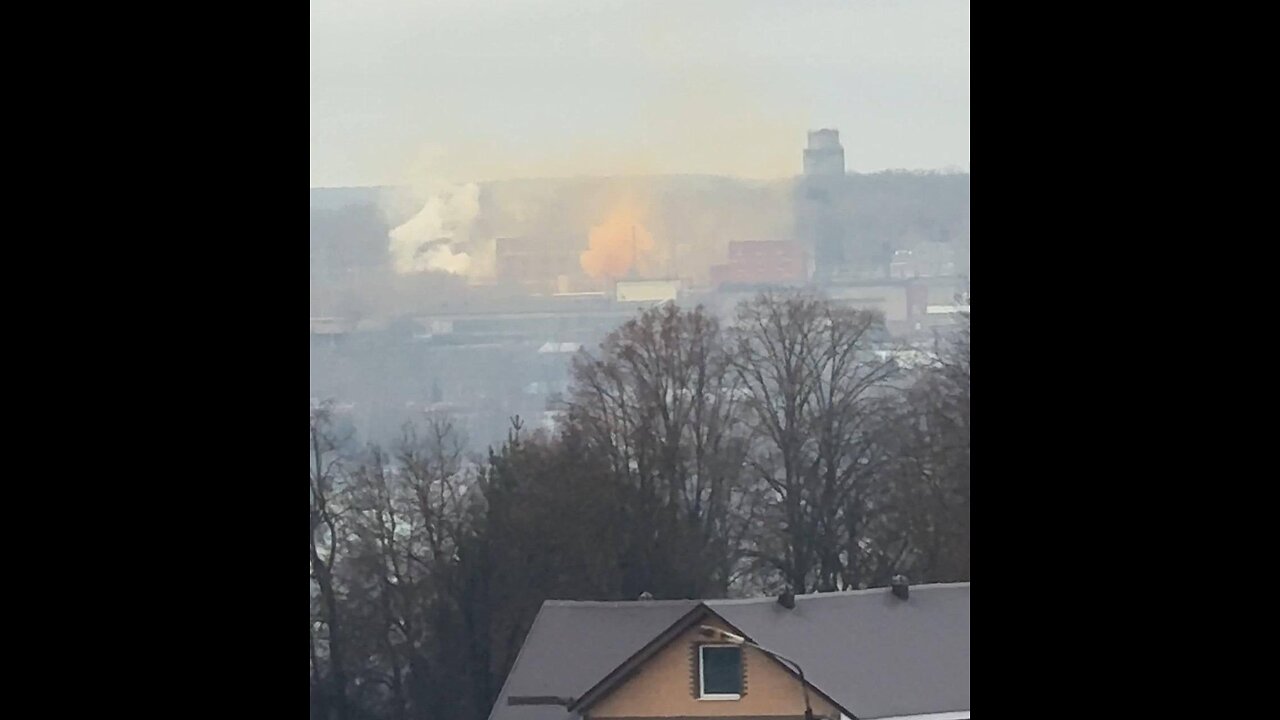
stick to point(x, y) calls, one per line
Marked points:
point(819, 225)
point(824, 156)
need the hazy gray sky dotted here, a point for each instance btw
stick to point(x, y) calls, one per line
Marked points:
point(411, 90)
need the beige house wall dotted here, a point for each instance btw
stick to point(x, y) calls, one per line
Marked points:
point(665, 687)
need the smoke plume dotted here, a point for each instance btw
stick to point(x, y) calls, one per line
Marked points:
point(435, 238)
point(617, 244)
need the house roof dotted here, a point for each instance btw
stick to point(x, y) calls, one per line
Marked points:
point(872, 653)
point(572, 645)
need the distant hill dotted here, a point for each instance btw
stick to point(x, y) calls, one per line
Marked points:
point(870, 216)
point(341, 197)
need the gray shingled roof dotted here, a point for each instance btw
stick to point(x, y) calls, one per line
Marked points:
point(876, 655)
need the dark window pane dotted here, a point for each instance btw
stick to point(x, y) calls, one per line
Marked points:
point(721, 670)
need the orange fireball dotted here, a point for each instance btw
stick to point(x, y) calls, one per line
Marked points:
point(617, 244)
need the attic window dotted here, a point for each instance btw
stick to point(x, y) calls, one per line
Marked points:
point(720, 672)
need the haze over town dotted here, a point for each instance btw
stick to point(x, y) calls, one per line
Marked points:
point(662, 305)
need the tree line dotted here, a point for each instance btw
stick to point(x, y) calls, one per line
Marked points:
point(784, 449)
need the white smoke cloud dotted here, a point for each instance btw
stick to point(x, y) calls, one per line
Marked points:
point(433, 238)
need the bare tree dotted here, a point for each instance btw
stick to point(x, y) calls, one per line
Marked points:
point(948, 440)
point(324, 472)
point(788, 449)
point(661, 404)
point(810, 386)
point(929, 505)
point(408, 518)
point(379, 563)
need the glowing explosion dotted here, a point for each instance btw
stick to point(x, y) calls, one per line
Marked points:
point(616, 244)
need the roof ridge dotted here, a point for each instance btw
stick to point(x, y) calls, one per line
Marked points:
point(924, 587)
point(881, 588)
point(617, 603)
point(835, 593)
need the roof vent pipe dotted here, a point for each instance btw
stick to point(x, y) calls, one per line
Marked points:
point(899, 586)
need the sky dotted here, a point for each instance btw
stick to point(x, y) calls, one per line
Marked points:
point(414, 91)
